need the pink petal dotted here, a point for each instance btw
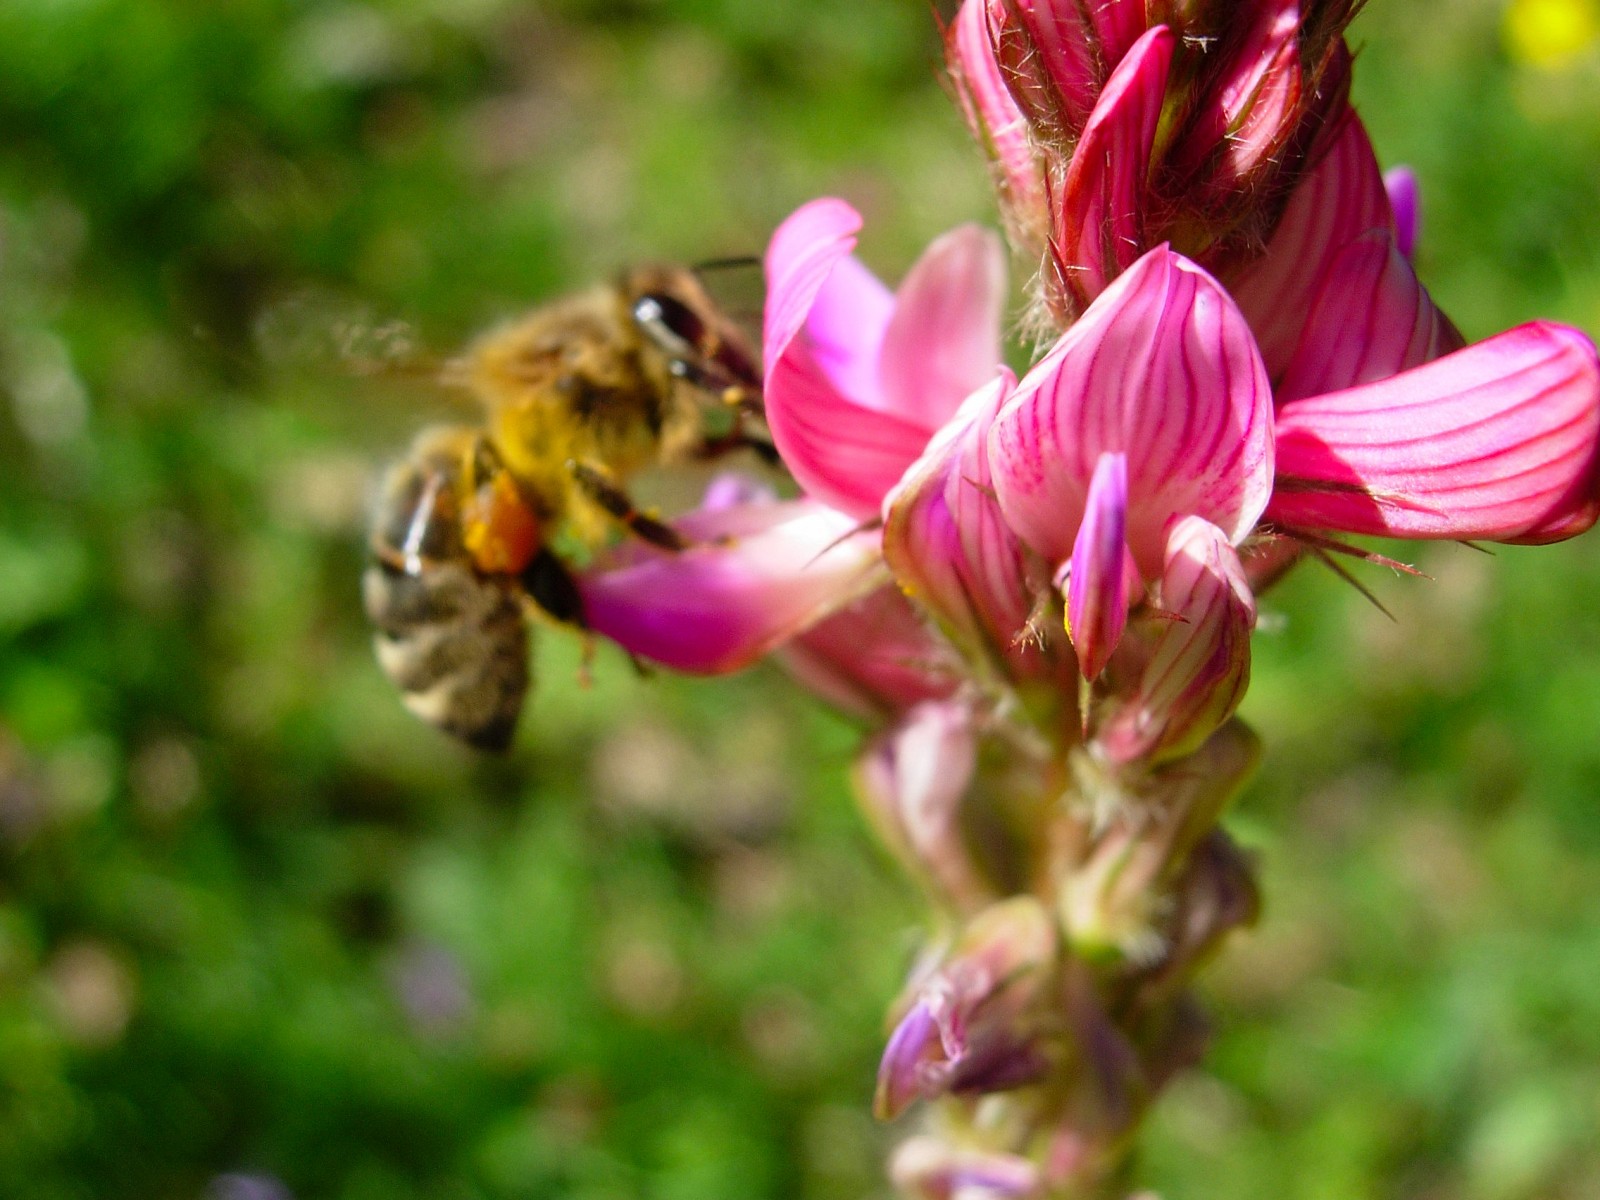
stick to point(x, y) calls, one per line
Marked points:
point(1200, 667)
point(1405, 199)
point(1262, 101)
point(1496, 441)
point(824, 327)
point(1097, 585)
point(1099, 229)
point(1250, 112)
point(1338, 201)
point(1371, 319)
point(946, 540)
point(756, 576)
point(943, 342)
point(914, 1063)
point(1162, 368)
point(842, 454)
point(845, 330)
point(873, 658)
point(804, 252)
point(993, 116)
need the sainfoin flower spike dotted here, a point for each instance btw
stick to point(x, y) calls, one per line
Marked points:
point(1038, 593)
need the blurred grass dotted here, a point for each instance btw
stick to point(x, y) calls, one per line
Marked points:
point(254, 920)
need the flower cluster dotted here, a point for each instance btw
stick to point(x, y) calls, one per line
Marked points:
point(1041, 590)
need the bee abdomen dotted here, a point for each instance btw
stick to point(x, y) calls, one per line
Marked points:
point(455, 644)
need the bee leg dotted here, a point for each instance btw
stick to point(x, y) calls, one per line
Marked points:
point(604, 491)
point(550, 585)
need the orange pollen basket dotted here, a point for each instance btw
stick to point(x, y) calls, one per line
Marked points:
point(499, 529)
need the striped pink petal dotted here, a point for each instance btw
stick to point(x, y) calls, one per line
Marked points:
point(1371, 319)
point(1497, 441)
point(1097, 583)
point(1338, 201)
point(1200, 666)
point(1251, 110)
point(755, 576)
point(1099, 228)
point(1161, 368)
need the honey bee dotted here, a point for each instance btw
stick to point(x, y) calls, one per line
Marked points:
point(473, 530)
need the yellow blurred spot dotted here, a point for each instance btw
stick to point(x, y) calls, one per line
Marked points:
point(1550, 33)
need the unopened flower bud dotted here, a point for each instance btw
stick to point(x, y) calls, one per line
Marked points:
point(1200, 665)
point(1117, 888)
point(975, 1024)
point(912, 781)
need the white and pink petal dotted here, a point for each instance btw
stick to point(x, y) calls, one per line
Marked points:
point(754, 577)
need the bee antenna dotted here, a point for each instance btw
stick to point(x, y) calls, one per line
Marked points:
point(730, 263)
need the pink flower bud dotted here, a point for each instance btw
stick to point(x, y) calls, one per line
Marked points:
point(974, 1024)
point(1099, 225)
point(996, 122)
point(1199, 667)
point(912, 781)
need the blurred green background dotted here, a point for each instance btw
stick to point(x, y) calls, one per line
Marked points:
point(262, 935)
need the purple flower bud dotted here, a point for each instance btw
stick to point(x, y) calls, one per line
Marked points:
point(975, 1023)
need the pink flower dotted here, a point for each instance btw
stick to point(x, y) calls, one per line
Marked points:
point(1154, 407)
point(857, 379)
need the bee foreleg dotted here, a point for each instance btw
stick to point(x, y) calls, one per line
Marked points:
point(605, 492)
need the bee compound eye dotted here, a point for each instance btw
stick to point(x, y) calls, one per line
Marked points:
point(670, 323)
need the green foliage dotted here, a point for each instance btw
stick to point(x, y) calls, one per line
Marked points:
point(255, 919)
